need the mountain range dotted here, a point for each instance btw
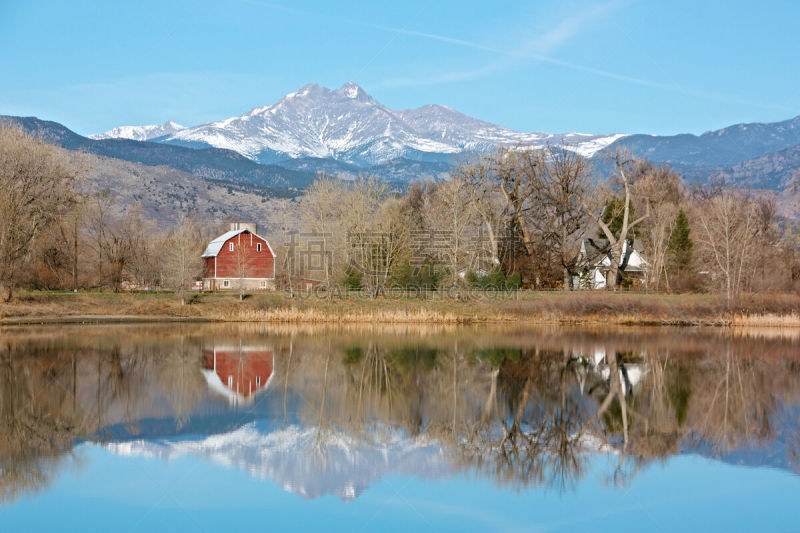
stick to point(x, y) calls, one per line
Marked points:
point(312, 462)
point(303, 460)
point(347, 124)
point(346, 132)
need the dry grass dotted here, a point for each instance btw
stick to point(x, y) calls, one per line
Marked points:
point(657, 309)
point(762, 310)
point(49, 304)
point(772, 320)
point(382, 316)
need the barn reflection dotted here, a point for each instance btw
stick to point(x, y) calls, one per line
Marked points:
point(332, 412)
point(238, 372)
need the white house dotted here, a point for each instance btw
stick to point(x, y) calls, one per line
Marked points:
point(595, 263)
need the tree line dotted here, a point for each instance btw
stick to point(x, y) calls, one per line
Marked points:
point(514, 218)
point(53, 236)
point(519, 217)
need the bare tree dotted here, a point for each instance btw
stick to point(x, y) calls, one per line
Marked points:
point(366, 243)
point(35, 190)
point(242, 264)
point(181, 252)
point(502, 188)
point(450, 219)
point(660, 187)
point(729, 227)
point(622, 161)
point(559, 216)
point(516, 172)
point(476, 178)
point(75, 222)
point(321, 213)
point(142, 233)
point(394, 231)
point(114, 239)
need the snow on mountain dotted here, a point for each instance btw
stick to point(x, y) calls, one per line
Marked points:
point(303, 461)
point(140, 133)
point(347, 124)
point(313, 463)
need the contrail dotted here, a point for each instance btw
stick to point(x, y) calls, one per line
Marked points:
point(544, 43)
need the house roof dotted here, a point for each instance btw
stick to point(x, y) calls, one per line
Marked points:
point(596, 247)
point(215, 246)
point(597, 250)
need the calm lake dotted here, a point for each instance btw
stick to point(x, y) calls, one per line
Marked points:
point(186, 427)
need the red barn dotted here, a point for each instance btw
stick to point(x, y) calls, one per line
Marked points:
point(239, 257)
point(238, 372)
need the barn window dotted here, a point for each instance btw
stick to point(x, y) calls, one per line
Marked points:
point(226, 283)
point(258, 247)
point(263, 284)
point(230, 246)
point(258, 381)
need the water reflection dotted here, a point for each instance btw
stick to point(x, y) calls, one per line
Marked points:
point(333, 411)
point(238, 372)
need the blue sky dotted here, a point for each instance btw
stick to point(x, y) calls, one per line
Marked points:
point(600, 67)
point(99, 491)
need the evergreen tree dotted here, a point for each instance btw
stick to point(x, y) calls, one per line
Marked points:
point(679, 247)
point(353, 279)
point(495, 279)
point(403, 275)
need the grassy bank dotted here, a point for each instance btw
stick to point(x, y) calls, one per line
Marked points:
point(524, 307)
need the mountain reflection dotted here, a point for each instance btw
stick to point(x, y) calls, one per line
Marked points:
point(332, 411)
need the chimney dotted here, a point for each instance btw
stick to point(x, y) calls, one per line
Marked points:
point(249, 226)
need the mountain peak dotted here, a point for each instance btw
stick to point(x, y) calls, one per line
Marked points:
point(353, 91)
point(309, 89)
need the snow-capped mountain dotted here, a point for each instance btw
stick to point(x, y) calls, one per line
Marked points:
point(347, 124)
point(313, 463)
point(140, 133)
point(472, 135)
point(303, 461)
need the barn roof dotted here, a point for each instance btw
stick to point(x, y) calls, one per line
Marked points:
point(241, 356)
point(215, 384)
point(214, 247)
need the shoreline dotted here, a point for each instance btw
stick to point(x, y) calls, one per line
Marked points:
point(98, 319)
point(783, 321)
point(529, 308)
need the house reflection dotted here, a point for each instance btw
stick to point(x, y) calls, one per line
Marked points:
point(630, 372)
point(238, 372)
point(349, 409)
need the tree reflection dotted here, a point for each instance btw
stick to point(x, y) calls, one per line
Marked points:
point(54, 394)
point(34, 433)
point(523, 409)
